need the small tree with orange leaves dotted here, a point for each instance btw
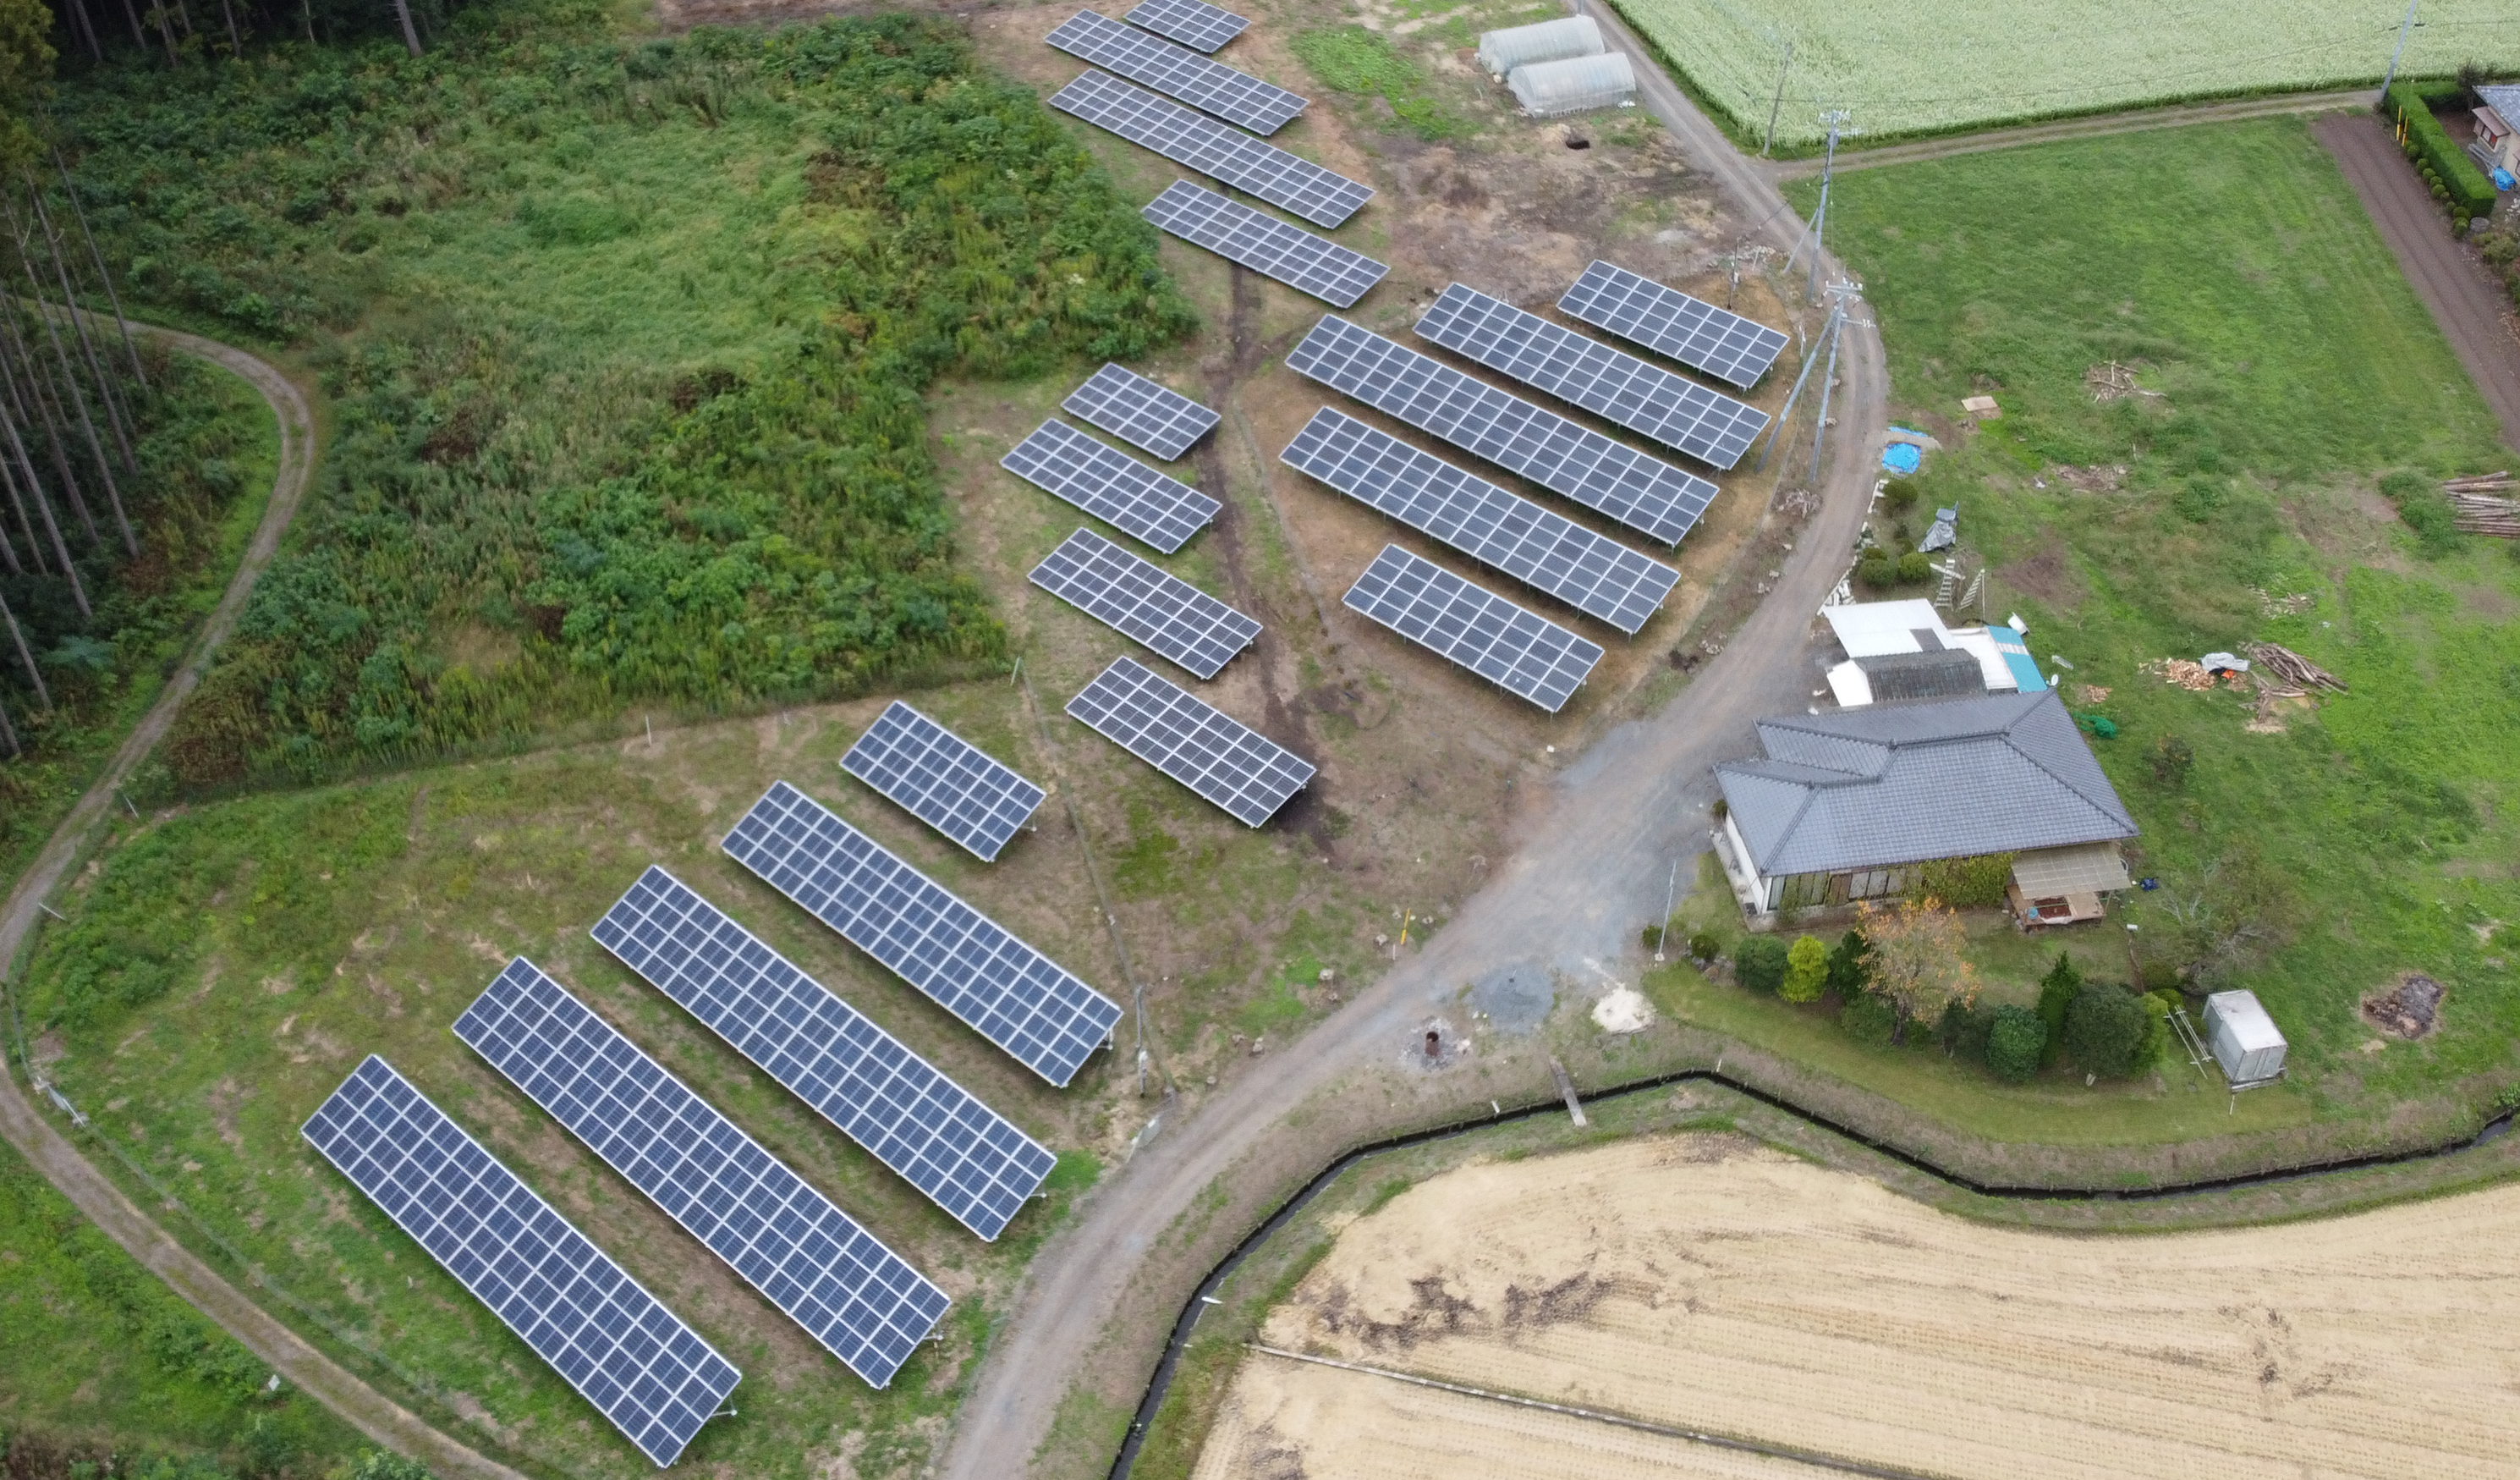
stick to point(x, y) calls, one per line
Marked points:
point(1916, 959)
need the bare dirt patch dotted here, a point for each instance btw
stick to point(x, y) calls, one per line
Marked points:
point(2408, 1009)
point(1736, 1290)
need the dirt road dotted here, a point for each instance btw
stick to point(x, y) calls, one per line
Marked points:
point(2134, 120)
point(2474, 314)
point(1591, 867)
point(89, 1190)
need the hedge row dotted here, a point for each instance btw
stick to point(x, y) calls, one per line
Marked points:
point(2412, 104)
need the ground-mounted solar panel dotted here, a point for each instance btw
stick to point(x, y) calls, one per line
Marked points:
point(1140, 412)
point(1141, 600)
point(1644, 493)
point(863, 1302)
point(1524, 654)
point(965, 962)
point(1111, 485)
point(939, 1136)
point(1264, 243)
point(1671, 323)
point(1542, 549)
point(647, 1372)
point(1617, 387)
point(943, 780)
point(1199, 746)
point(1193, 24)
point(1320, 196)
point(1237, 97)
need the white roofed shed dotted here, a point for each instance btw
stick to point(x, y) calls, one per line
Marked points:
point(2245, 1041)
point(1502, 51)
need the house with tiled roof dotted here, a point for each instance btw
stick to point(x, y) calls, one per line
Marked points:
point(1855, 804)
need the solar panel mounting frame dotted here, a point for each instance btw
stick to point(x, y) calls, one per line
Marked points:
point(1111, 485)
point(1177, 71)
point(1187, 137)
point(1194, 23)
point(1520, 652)
point(1144, 601)
point(1717, 342)
point(978, 800)
point(1142, 412)
point(1235, 767)
point(1336, 275)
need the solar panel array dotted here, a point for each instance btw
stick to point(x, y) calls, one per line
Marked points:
point(1644, 493)
point(1193, 24)
point(858, 1298)
point(1671, 323)
point(1264, 243)
point(1111, 486)
point(1237, 97)
point(1320, 196)
point(1140, 412)
point(645, 1372)
point(1143, 600)
point(1616, 387)
point(1480, 631)
point(942, 779)
point(941, 1140)
point(1213, 754)
point(1536, 547)
point(968, 964)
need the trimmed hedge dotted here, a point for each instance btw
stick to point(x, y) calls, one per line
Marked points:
point(2470, 193)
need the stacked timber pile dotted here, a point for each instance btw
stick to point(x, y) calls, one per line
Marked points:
point(2291, 668)
point(2484, 505)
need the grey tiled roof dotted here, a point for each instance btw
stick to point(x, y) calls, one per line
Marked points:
point(1898, 677)
point(1869, 788)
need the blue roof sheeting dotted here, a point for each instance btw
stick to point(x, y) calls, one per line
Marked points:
point(2016, 656)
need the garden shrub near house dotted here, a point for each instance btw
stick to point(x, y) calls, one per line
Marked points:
point(2055, 994)
point(2106, 1026)
point(1869, 1020)
point(1976, 883)
point(1759, 963)
point(2017, 1043)
point(2455, 179)
point(1806, 970)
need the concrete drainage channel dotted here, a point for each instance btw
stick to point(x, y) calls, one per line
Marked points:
point(1204, 1295)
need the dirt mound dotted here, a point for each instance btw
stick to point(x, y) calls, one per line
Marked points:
point(2408, 1010)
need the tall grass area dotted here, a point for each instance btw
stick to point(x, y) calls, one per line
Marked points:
point(624, 344)
point(2375, 834)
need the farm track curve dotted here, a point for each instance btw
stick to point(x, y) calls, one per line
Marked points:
point(2473, 313)
point(98, 1196)
point(2092, 126)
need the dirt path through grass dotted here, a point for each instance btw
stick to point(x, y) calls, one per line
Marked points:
point(2133, 120)
point(87, 1187)
point(2472, 312)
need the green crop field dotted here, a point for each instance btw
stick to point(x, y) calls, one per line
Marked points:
point(1946, 65)
point(2290, 366)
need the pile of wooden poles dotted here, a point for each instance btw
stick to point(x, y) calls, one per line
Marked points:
point(2291, 668)
point(68, 421)
point(2484, 505)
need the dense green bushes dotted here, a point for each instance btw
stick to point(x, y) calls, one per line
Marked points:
point(2424, 509)
point(2455, 177)
point(625, 345)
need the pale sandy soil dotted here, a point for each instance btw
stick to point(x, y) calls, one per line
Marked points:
point(1705, 1283)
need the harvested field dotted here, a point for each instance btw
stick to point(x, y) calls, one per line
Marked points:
point(1707, 1283)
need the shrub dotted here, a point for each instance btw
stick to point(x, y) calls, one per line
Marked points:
point(2424, 509)
point(1846, 964)
point(2455, 175)
point(1806, 970)
point(1877, 570)
point(1966, 1025)
point(1976, 883)
point(1915, 567)
point(377, 1464)
point(1759, 963)
point(2172, 760)
point(1869, 1020)
point(1899, 495)
point(2016, 1044)
point(1705, 946)
point(2105, 1028)
point(2055, 994)
point(1650, 936)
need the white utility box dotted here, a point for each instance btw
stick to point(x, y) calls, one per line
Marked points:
point(2245, 1040)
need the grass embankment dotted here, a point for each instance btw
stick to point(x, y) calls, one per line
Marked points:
point(207, 451)
point(625, 342)
point(101, 1358)
point(2291, 364)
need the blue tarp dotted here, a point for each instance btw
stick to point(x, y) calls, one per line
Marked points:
point(2016, 656)
point(1903, 458)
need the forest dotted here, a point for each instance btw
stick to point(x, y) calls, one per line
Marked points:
point(621, 344)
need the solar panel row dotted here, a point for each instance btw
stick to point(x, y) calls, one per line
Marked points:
point(1111, 486)
point(859, 1299)
point(1541, 548)
point(1140, 412)
point(965, 962)
point(1643, 493)
point(1211, 752)
point(1237, 97)
point(648, 1374)
point(1482, 632)
point(937, 1135)
point(1264, 243)
point(942, 779)
point(1193, 22)
point(1320, 196)
point(1616, 387)
point(1143, 600)
point(1670, 322)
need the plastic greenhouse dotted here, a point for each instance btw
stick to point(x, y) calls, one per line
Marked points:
point(1578, 85)
point(1502, 51)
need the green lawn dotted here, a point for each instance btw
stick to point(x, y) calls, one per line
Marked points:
point(2232, 265)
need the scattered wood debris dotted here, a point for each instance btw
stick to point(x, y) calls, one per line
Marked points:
point(2097, 478)
point(2293, 669)
point(2409, 1010)
point(2293, 605)
point(2089, 694)
point(2114, 382)
point(1798, 503)
point(2479, 483)
point(2179, 670)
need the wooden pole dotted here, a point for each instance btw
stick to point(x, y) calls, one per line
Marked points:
point(33, 674)
point(78, 398)
point(79, 212)
point(51, 428)
point(9, 478)
point(78, 328)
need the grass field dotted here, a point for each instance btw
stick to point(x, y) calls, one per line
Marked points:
point(2232, 266)
point(1902, 69)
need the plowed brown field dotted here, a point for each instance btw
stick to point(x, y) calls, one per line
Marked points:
point(1702, 1283)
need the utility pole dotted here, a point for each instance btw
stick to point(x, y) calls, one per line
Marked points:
point(1779, 102)
point(1841, 290)
point(2404, 26)
point(1835, 117)
point(1811, 358)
